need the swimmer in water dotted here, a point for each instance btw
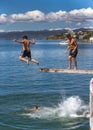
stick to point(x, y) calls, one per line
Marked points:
point(36, 109)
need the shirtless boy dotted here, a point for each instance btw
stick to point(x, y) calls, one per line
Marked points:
point(26, 50)
point(72, 45)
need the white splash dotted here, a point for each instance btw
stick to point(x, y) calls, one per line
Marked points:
point(73, 107)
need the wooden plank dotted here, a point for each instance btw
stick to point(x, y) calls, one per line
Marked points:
point(60, 70)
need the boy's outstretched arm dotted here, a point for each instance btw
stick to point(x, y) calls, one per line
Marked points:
point(19, 41)
point(32, 42)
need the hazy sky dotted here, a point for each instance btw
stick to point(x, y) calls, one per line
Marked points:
point(45, 14)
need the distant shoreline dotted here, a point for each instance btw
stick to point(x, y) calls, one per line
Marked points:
point(80, 34)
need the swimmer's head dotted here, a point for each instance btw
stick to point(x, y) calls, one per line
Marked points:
point(68, 36)
point(36, 109)
point(25, 37)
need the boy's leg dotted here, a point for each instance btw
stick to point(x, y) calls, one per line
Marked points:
point(23, 59)
point(69, 62)
point(33, 60)
point(75, 63)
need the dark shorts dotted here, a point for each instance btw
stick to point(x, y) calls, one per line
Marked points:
point(26, 53)
point(73, 54)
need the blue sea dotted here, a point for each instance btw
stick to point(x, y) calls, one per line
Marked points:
point(63, 99)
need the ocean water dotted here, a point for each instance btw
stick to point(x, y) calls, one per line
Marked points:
point(63, 98)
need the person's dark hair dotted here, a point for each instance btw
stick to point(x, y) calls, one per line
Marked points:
point(68, 35)
point(25, 37)
point(36, 107)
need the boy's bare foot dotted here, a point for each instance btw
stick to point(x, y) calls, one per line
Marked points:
point(37, 63)
point(75, 68)
point(69, 68)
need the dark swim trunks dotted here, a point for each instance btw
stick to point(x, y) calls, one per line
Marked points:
point(73, 54)
point(26, 53)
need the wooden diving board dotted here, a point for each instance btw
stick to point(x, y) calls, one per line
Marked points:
point(60, 70)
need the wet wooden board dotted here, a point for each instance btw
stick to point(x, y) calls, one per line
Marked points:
point(60, 70)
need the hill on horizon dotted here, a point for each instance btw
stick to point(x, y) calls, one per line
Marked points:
point(39, 35)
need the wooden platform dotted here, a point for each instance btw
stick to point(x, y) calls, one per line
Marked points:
point(60, 70)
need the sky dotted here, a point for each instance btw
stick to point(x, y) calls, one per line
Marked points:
point(32, 15)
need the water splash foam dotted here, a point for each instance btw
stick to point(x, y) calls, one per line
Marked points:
point(72, 107)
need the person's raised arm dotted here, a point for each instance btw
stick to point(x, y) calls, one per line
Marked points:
point(19, 41)
point(32, 42)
